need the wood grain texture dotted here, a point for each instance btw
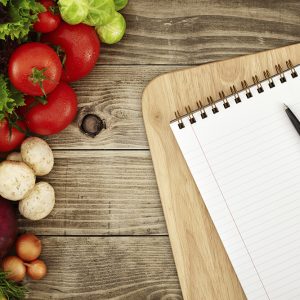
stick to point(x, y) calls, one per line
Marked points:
point(203, 267)
point(114, 93)
point(102, 193)
point(170, 32)
point(199, 31)
point(114, 192)
point(124, 268)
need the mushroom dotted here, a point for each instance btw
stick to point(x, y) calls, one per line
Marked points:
point(16, 180)
point(39, 203)
point(37, 154)
point(14, 156)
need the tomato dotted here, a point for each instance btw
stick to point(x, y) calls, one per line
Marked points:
point(81, 46)
point(34, 69)
point(11, 138)
point(47, 21)
point(56, 115)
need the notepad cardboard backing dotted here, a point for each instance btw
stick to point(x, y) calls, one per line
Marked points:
point(203, 267)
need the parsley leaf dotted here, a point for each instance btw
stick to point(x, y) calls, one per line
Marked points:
point(22, 13)
point(10, 98)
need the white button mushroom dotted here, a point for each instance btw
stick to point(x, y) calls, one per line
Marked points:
point(16, 180)
point(39, 203)
point(14, 156)
point(37, 154)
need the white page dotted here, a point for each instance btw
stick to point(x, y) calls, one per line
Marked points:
point(245, 161)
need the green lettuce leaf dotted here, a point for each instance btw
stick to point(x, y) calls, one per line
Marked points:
point(10, 98)
point(23, 14)
point(73, 11)
point(100, 12)
point(120, 4)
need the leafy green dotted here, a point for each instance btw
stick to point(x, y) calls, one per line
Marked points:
point(10, 289)
point(10, 98)
point(73, 11)
point(120, 4)
point(22, 13)
point(100, 12)
point(112, 32)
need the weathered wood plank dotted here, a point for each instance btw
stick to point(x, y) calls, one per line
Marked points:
point(114, 93)
point(102, 193)
point(127, 268)
point(198, 31)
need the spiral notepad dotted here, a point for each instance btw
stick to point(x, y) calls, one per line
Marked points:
point(244, 156)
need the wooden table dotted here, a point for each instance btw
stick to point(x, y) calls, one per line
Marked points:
point(106, 238)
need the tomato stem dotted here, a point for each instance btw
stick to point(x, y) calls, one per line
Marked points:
point(54, 9)
point(38, 76)
point(61, 54)
point(12, 123)
point(38, 36)
point(42, 100)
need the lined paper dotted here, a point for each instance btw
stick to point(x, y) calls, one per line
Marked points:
point(245, 161)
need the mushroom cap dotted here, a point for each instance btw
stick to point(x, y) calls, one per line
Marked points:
point(39, 203)
point(37, 154)
point(16, 180)
point(14, 156)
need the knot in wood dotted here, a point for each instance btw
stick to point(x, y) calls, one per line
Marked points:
point(91, 125)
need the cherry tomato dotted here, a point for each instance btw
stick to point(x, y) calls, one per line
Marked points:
point(47, 21)
point(56, 115)
point(81, 46)
point(34, 69)
point(11, 138)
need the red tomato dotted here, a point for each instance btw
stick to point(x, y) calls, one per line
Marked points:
point(81, 46)
point(34, 69)
point(56, 115)
point(47, 21)
point(11, 138)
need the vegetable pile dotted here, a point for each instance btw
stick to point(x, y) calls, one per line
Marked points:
point(44, 46)
point(18, 174)
point(18, 179)
point(28, 249)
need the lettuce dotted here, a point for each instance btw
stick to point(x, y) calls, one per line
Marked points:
point(120, 4)
point(73, 11)
point(22, 14)
point(114, 31)
point(100, 12)
point(10, 98)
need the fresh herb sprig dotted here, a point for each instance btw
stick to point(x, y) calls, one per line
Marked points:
point(10, 98)
point(21, 14)
point(10, 289)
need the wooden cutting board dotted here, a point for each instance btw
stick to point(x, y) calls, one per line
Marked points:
point(203, 267)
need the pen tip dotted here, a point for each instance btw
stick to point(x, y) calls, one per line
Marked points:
point(285, 106)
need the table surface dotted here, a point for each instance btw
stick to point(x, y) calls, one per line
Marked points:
point(106, 238)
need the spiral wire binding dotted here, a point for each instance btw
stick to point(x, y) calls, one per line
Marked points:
point(201, 109)
point(235, 94)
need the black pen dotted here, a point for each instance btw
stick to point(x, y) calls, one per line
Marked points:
point(293, 118)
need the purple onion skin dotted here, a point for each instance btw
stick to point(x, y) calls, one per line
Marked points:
point(8, 226)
